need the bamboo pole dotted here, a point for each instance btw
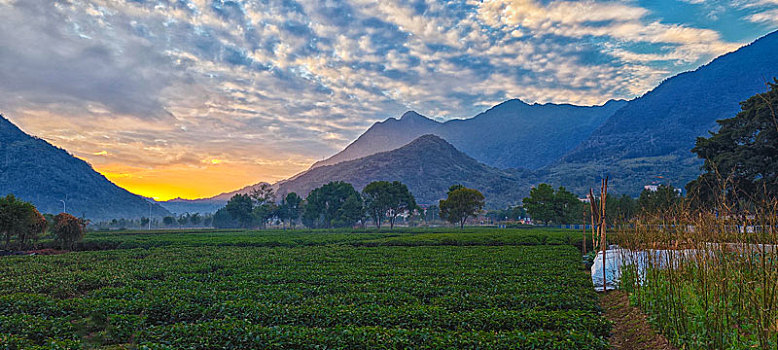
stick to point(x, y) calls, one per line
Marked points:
point(603, 240)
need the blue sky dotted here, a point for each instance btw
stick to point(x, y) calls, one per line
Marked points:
point(199, 97)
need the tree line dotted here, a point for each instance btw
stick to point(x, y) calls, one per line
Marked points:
point(22, 225)
point(337, 204)
point(547, 205)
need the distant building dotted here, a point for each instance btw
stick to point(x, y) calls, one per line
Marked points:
point(654, 188)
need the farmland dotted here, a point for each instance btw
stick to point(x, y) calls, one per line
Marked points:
point(517, 289)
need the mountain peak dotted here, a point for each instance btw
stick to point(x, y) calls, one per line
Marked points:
point(429, 139)
point(411, 115)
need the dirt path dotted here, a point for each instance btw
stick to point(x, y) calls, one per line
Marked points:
point(631, 330)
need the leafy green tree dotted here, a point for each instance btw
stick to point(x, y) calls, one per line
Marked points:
point(461, 203)
point(336, 204)
point(567, 207)
point(144, 221)
point(207, 220)
point(376, 197)
point(546, 205)
point(168, 220)
point(19, 219)
point(195, 219)
point(264, 212)
point(290, 208)
point(385, 199)
point(263, 194)
point(540, 204)
point(240, 207)
point(223, 219)
point(183, 219)
point(68, 230)
point(741, 158)
point(664, 198)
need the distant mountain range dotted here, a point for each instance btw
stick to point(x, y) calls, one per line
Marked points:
point(35, 171)
point(512, 134)
point(651, 137)
point(427, 165)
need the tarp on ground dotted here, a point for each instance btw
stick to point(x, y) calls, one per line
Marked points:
point(616, 259)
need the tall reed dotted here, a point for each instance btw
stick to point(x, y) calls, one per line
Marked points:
point(712, 274)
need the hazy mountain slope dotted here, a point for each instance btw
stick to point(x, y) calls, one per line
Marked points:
point(180, 206)
point(512, 134)
point(650, 139)
point(385, 136)
point(428, 165)
point(35, 171)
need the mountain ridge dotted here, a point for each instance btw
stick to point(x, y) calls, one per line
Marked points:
point(430, 165)
point(45, 175)
point(489, 144)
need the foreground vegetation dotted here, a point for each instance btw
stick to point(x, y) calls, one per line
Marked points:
point(332, 289)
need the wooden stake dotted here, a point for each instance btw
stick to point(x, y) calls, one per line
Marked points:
point(583, 230)
point(593, 212)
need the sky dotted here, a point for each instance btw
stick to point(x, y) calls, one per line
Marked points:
point(192, 98)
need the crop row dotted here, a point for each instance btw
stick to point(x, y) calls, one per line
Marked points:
point(297, 238)
point(335, 296)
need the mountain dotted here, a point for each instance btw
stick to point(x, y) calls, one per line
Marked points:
point(512, 134)
point(37, 172)
point(180, 206)
point(428, 166)
point(385, 136)
point(649, 139)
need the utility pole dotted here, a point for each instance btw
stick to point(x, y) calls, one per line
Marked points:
point(149, 216)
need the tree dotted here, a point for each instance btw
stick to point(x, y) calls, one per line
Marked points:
point(376, 196)
point(240, 208)
point(263, 194)
point(461, 203)
point(432, 213)
point(144, 221)
point(168, 220)
point(264, 212)
point(741, 158)
point(68, 230)
point(289, 210)
point(664, 198)
point(195, 219)
point(567, 207)
point(183, 219)
point(223, 219)
point(20, 219)
point(37, 226)
point(547, 206)
point(540, 203)
point(387, 199)
point(400, 201)
point(336, 204)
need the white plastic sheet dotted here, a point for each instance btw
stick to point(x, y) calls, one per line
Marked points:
point(616, 259)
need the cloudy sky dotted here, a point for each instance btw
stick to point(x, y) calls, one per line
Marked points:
point(192, 98)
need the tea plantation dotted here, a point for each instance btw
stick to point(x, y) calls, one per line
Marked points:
point(478, 289)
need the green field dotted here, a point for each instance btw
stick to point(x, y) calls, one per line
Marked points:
point(489, 289)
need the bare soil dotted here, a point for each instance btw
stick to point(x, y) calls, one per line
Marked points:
point(631, 330)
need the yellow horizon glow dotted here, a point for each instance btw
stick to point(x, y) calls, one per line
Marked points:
point(187, 182)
